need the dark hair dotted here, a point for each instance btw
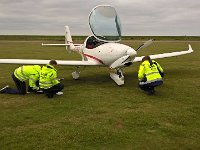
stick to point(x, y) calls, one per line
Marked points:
point(52, 62)
point(146, 58)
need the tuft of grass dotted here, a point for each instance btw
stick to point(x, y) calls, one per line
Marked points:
point(94, 113)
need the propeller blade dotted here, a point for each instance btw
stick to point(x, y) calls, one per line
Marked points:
point(119, 62)
point(145, 44)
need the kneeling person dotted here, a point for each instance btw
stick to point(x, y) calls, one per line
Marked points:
point(48, 81)
point(20, 75)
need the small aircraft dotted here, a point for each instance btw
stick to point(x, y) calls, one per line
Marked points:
point(101, 48)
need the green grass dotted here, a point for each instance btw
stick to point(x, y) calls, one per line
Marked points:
point(61, 38)
point(94, 113)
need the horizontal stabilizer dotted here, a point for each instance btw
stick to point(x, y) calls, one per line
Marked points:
point(60, 44)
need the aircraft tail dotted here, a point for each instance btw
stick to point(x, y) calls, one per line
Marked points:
point(68, 39)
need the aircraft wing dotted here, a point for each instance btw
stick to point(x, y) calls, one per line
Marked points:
point(43, 62)
point(165, 55)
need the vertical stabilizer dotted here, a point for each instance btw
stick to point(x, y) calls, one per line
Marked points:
point(68, 39)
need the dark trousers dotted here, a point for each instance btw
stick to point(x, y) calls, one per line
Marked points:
point(53, 90)
point(21, 87)
point(150, 86)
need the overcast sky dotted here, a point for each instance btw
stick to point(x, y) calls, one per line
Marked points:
point(138, 17)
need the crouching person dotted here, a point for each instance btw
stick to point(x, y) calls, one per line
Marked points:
point(48, 81)
point(150, 75)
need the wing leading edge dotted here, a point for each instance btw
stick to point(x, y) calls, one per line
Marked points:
point(165, 55)
point(43, 62)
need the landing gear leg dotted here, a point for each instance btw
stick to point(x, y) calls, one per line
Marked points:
point(76, 73)
point(118, 77)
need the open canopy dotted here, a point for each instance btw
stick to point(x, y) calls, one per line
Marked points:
point(105, 24)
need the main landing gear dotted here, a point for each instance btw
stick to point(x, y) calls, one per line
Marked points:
point(118, 77)
point(76, 73)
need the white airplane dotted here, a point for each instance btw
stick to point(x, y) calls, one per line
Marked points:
point(101, 48)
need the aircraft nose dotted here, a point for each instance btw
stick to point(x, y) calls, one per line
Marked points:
point(131, 52)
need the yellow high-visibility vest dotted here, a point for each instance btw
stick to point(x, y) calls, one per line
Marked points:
point(48, 77)
point(150, 71)
point(30, 73)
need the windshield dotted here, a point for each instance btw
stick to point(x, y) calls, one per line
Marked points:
point(105, 24)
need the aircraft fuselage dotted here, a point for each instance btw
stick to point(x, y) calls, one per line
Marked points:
point(107, 53)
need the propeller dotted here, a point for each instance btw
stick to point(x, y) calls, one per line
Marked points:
point(145, 44)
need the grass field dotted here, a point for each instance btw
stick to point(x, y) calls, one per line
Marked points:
point(94, 113)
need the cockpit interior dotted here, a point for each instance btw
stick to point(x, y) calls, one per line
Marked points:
point(92, 42)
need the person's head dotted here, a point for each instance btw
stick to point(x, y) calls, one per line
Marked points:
point(146, 58)
point(53, 62)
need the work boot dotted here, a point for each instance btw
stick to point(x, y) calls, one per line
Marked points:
point(3, 90)
point(59, 93)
